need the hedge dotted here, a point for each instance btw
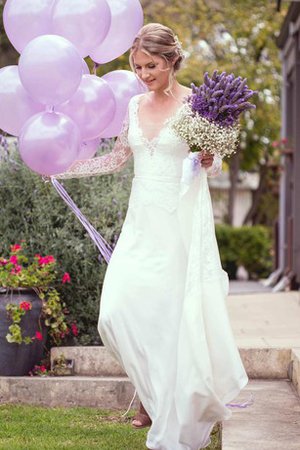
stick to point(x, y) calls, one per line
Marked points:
point(248, 246)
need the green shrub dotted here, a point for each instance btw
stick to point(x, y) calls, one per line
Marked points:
point(31, 209)
point(249, 246)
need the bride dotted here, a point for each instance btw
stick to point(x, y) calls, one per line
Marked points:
point(163, 308)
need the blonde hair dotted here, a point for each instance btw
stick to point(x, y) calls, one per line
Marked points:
point(159, 40)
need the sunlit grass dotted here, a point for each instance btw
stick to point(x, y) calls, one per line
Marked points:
point(37, 428)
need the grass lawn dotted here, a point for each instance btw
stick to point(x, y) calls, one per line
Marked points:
point(36, 428)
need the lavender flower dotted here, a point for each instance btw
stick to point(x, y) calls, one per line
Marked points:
point(209, 119)
point(221, 98)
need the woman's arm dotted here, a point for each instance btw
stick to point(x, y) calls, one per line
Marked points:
point(109, 163)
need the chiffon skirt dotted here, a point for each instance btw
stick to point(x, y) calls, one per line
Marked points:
point(164, 317)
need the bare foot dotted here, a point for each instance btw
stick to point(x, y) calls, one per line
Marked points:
point(141, 419)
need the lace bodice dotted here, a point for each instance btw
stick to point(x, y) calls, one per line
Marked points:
point(109, 163)
point(161, 156)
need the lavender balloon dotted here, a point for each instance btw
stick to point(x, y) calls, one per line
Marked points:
point(50, 69)
point(89, 148)
point(92, 107)
point(127, 19)
point(25, 20)
point(49, 143)
point(85, 68)
point(124, 85)
point(84, 23)
point(16, 105)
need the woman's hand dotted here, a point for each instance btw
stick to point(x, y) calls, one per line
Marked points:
point(206, 159)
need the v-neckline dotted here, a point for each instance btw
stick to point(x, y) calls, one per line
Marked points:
point(164, 124)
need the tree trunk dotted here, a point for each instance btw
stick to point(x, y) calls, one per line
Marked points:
point(233, 176)
point(252, 213)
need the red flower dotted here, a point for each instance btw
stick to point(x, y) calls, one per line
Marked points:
point(13, 259)
point(15, 248)
point(66, 278)
point(44, 260)
point(74, 329)
point(17, 269)
point(50, 259)
point(26, 306)
point(38, 335)
point(3, 262)
point(43, 368)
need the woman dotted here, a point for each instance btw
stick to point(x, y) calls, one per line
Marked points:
point(163, 313)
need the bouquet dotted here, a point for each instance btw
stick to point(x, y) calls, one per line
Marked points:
point(208, 120)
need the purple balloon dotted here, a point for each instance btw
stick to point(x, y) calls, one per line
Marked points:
point(16, 106)
point(89, 148)
point(50, 69)
point(26, 19)
point(127, 19)
point(124, 85)
point(49, 143)
point(84, 23)
point(85, 68)
point(92, 107)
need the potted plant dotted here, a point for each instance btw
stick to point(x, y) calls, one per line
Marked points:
point(30, 309)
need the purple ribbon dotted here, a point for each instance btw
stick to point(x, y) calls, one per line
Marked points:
point(104, 248)
point(242, 404)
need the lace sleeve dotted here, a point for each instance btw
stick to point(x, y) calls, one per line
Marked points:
point(216, 168)
point(109, 163)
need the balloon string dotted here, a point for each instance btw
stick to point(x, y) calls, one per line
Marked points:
point(104, 248)
point(130, 405)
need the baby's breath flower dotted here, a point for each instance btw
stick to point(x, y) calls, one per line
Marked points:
point(201, 134)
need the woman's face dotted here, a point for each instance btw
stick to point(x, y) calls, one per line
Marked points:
point(152, 70)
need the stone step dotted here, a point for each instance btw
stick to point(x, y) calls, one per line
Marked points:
point(91, 361)
point(97, 361)
point(272, 422)
point(100, 392)
point(116, 392)
point(295, 370)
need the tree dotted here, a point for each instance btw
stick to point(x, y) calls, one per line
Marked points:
point(8, 55)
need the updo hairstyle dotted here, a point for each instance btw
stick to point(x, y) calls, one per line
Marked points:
point(159, 40)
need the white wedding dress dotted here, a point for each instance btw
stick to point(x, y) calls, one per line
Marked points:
point(163, 311)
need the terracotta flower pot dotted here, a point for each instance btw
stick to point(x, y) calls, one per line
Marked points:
point(19, 359)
